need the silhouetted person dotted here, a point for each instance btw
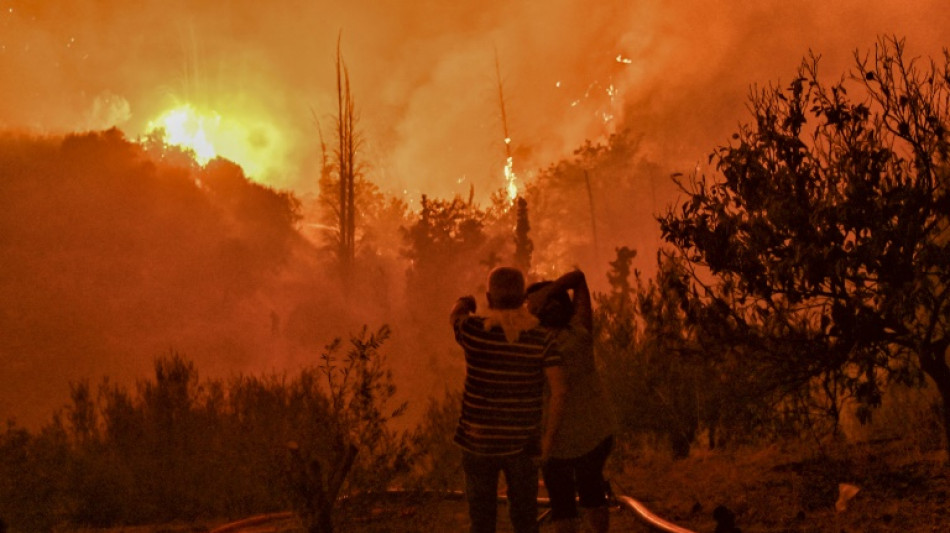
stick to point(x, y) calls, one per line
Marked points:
point(585, 438)
point(508, 358)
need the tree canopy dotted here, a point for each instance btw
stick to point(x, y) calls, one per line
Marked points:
point(830, 214)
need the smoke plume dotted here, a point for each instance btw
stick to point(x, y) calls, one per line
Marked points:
point(109, 257)
point(426, 75)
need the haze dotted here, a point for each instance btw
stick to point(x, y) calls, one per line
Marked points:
point(423, 75)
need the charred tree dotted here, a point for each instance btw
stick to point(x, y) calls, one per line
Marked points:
point(347, 170)
point(523, 244)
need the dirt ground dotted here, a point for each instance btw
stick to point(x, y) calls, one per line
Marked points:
point(767, 490)
point(781, 491)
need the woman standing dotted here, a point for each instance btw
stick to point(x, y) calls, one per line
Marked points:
point(585, 435)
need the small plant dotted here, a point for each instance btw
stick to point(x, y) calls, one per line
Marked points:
point(358, 449)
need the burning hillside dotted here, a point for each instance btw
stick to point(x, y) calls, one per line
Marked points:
point(112, 257)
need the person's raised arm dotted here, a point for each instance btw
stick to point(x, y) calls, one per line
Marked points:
point(576, 282)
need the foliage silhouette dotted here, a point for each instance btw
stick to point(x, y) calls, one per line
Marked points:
point(359, 451)
point(182, 448)
point(668, 379)
point(523, 243)
point(830, 227)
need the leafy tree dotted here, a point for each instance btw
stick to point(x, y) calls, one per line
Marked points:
point(832, 212)
point(666, 377)
point(739, 371)
point(438, 465)
point(615, 312)
point(616, 336)
point(675, 372)
point(447, 237)
point(31, 478)
point(359, 449)
point(604, 191)
point(174, 442)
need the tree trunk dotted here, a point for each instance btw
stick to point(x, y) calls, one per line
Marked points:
point(943, 386)
point(935, 365)
point(325, 495)
point(316, 493)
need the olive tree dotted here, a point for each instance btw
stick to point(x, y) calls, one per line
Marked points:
point(832, 209)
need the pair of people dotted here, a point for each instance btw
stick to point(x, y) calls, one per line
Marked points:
point(511, 351)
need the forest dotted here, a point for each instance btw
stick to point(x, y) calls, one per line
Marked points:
point(276, 352)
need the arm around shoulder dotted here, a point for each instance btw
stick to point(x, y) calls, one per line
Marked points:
point(572, 280)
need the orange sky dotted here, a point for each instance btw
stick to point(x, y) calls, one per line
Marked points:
point(423, 73)
point(677, 73)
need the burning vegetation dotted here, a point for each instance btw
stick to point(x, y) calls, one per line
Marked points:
point(800, 282)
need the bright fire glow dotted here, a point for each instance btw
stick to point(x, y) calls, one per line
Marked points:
point(185, 127)
point(510, 179)
point(210, 134)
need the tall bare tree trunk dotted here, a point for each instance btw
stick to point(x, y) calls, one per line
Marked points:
point(346, 159)
point(523, 244)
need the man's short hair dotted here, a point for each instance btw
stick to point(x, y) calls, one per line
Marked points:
point(505, 288)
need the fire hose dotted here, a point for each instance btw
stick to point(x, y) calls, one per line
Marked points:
point(640, 511)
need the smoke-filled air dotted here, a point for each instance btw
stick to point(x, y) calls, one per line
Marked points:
point(161, 162)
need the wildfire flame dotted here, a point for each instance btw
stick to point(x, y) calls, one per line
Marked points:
point(510, 179)
point(209, 134)
point(185, 127)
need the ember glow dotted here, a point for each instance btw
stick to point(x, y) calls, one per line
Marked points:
point(247, 84)
point(209, 134)
point(510, 178)
point(185, 128)
point(422, 78)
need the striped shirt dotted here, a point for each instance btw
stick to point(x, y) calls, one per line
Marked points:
point(504, 386)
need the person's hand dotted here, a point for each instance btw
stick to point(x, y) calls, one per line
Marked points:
point(466, 304)
point(536, 302)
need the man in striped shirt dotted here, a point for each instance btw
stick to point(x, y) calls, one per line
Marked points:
point(508, 358)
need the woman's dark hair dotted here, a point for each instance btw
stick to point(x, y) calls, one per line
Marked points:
point(557, 310)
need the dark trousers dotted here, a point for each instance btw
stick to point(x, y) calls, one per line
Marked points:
point(481, 490)
point(581, 476)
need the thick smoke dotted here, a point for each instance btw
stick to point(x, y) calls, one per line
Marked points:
point(112, 258)
point(100, 273)
point(424, 74)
